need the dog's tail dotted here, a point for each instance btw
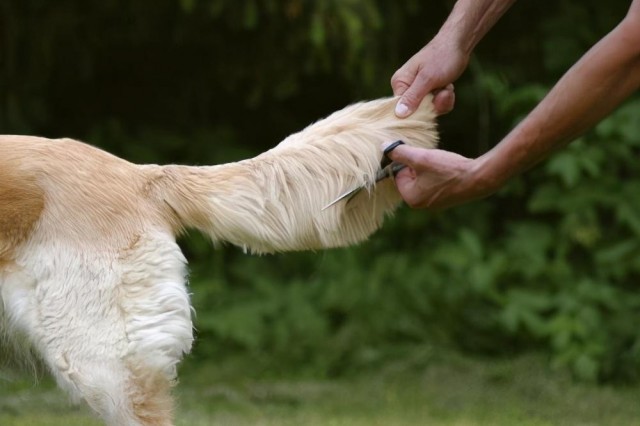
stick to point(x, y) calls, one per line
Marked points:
point(274, 202)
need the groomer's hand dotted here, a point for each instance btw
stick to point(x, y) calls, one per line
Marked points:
point(437, 179)
point(433, 69)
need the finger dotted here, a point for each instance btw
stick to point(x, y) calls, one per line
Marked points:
point(404, 154)
point(409, 191)
point(401, 81)
point(411, 98)
point(444, 100)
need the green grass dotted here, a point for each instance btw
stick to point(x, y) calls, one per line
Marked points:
point(456, 391)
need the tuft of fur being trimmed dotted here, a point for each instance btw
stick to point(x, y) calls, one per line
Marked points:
point(91, 276)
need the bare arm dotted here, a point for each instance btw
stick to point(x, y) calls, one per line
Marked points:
point(445, 57)
point(605, 76)
point(588, 92)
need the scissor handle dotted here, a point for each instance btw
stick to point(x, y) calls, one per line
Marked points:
point(385, 154)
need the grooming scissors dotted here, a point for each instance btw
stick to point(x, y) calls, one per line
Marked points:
point(388, 168)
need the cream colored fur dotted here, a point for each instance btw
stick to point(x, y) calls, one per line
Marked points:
point(91, 275)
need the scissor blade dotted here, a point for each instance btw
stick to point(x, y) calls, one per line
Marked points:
point(382, 174)
point(347, 194)
point(391, 170)
point(387, 169)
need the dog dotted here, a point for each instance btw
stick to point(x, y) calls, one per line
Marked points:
point(91, 276)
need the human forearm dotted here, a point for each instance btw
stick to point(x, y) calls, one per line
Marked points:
point(588, 92)
point(470, 20)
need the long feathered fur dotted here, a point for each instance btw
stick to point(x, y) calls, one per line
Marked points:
point(274, 202)
point(91, 276)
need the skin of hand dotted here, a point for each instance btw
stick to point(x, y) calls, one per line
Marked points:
point(606, 75)
point(424, 73)
point(444, 100)
point(438, 64)
point(436, 178)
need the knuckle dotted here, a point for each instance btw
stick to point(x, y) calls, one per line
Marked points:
point(410, 97)
point(399, 84)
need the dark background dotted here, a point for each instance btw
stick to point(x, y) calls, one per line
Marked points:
point(550, 264)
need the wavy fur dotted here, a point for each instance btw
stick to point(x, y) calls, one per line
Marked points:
point(90, 272)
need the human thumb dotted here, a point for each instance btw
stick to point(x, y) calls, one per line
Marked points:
point(410, 100)
point(403, 154)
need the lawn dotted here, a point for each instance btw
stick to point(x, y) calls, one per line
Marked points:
point(456, 391)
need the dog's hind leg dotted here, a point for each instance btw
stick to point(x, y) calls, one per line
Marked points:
point(103, 383)
point(118, 391)
point(78, 356)
point(91, 362)
point(95, 343)
point(88, 356)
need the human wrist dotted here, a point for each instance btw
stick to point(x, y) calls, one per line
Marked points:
point(452, 39)
point(484, 177)
point(470, 20)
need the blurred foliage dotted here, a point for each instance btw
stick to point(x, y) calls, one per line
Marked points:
point(550, 263)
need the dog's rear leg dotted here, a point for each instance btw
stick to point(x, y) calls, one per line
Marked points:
point(80, 333)
point(121, 392)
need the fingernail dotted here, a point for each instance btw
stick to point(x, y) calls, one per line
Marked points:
point(402, 110)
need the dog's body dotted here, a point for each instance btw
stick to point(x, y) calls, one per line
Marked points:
point(90, 273)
